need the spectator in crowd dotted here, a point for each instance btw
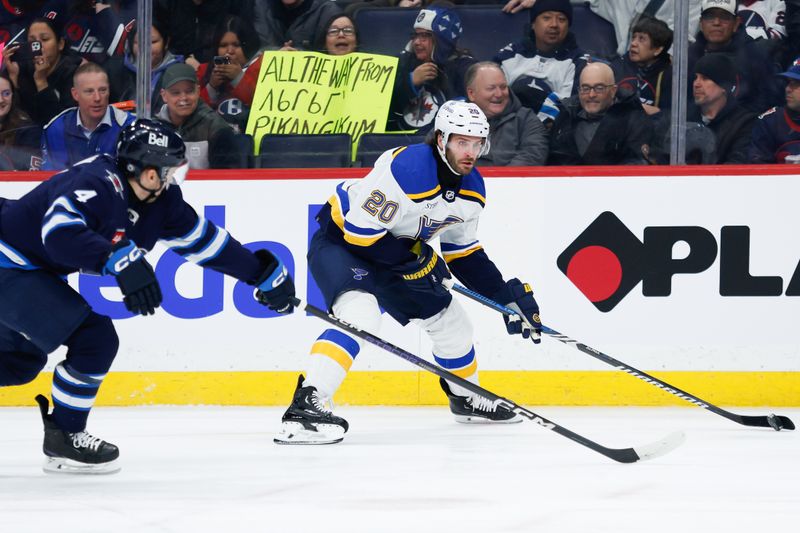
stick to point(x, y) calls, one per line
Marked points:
point(90, 128)
point(122, 70)
point(209, 139)
point(190, 24)
point(602, 126)
point(544, 67)
point(44, 81)
point(292, 24)
point(624, 13)
point(233, 103)
point(647, 66)
point(713, 89)
point(340, 36)
point(721, 33)
point(516, 135)
point(430, 71)
point(776, 134)
point(224, 76)
point(19, 135)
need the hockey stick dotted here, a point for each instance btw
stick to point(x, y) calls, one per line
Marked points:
point(776, 422)
point(622, 455)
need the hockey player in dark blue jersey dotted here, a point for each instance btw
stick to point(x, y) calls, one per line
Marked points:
point(101, 216)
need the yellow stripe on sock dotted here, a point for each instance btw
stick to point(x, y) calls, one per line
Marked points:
point(467, 371)
point(334, 351)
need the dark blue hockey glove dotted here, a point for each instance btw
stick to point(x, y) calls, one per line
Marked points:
point(518, 296)
point(135, 277)
point(426, 272)
point(274, 287)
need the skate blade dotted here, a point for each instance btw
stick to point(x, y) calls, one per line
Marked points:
point(295, 433)
point(470, 419)
point(61, 465)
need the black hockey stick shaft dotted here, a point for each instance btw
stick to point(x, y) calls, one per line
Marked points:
point(624, 455)
point(776, 422)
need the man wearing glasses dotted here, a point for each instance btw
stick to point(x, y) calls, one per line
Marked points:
point(722, 33)
point(602, 126)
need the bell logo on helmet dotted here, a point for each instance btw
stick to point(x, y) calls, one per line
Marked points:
point(156, 139)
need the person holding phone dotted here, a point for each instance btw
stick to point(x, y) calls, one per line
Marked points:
point(41, 70)
point(236, 43)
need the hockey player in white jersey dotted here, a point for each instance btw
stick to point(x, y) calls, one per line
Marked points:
point(372, 251)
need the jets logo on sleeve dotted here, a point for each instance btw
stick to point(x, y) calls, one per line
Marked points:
point(115, 182)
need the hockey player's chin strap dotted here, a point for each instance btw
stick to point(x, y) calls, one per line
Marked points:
point(133, 199)
point(153, 192)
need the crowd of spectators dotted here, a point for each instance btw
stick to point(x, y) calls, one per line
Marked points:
point(68, 76)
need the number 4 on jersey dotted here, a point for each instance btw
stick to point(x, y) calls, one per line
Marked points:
point(83, 195)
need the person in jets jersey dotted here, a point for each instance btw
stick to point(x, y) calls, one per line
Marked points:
point(100, 216)
point(371, 251)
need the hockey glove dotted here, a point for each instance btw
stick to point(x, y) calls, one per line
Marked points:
point(135, 277)
point(426, 272)
point(274, 287)
point(518, 296)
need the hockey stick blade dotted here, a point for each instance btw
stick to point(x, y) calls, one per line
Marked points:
point(664, 446)
point(622, 455)
point(776, 422)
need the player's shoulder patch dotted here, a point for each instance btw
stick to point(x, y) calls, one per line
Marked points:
point(99, 168)
point(473, 188)
point(414, 170)
point(768, 112)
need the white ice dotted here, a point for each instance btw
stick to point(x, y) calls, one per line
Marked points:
point(410, 470)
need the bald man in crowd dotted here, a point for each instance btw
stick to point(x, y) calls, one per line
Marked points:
point(603, 125)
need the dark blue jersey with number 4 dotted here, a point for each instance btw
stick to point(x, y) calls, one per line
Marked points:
point(70, 222)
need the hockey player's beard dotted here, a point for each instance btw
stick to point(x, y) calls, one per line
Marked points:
point(447, 179)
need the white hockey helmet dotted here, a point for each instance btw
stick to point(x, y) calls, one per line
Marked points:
point(461, 118)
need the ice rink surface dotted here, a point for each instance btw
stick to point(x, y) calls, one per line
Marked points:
point(410, 470)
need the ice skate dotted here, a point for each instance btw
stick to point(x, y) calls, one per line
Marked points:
point(477, 409)
point(75, 453)
point(308, 421)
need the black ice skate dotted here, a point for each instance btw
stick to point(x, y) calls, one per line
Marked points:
point(75, 453)
point(308, 421)
point(477, 409)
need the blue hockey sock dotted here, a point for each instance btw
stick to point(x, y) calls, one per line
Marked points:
point(73, 397)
